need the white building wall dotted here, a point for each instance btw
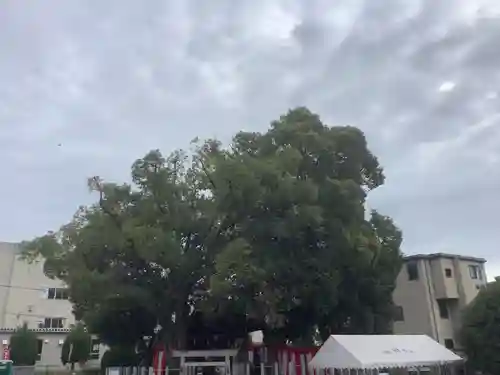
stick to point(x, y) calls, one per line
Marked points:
point(28, 300)
point(7, 259)
point(24, 299)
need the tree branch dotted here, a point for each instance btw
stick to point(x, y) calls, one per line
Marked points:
point(205, 170)
point(116, 219)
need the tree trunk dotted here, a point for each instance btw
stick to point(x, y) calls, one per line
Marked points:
point(180, 337)
point(180, 327)
point(273, 339)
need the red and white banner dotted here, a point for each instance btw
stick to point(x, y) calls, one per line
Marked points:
point(6, 352)
point(289, 360)
point(159, 359)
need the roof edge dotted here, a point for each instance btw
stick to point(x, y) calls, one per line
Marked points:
point(37, 330)
point(444, 255)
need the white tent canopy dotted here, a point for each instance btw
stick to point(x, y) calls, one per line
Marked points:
point(381, 351)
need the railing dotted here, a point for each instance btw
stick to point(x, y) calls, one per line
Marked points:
point(52, 370)
point(39, 330)
point(237, 369)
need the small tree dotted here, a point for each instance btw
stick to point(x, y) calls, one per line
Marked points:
point(76, 347)
point(23, 347)
point(481, 330)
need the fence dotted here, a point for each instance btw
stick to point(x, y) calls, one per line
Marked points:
point(52, 370)
point(237, 369)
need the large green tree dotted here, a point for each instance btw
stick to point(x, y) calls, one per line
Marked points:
point(268, 233)
point(480, 334)
point(303, 252)
point(135, 258)
point(140, 257)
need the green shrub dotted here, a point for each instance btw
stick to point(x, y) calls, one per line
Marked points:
point(24, 347)
point(76, 346)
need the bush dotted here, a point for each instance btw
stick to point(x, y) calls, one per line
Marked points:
point(23, 347)
point(76, 347)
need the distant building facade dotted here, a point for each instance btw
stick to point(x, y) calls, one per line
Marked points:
point(432, 290)
point(27, 296)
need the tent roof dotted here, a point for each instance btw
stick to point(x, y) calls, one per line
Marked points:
point(381, 351)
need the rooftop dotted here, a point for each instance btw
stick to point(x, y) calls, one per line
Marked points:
point(444, 255)
point(10, 246)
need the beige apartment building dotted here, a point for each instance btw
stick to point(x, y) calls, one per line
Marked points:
point(431, 292)
point(27, 296)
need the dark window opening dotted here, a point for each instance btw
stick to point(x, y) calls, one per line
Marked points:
point(94, 349)
point(53, 323)
point(443, 309)
point(449, 344)
point(447, 272)
point(57, 293)
point(39, 350)
point(412, 269)
point(475, 272)
point(399, 314)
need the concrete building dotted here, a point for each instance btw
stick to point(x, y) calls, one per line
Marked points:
point(431, 292)
point(27, 296)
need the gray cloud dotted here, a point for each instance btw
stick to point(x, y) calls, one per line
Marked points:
point(111, 80)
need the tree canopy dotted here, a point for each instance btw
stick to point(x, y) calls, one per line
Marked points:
point(270, 232)
point(480, 334)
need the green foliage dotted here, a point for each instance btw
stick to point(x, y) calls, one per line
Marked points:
point(76, 346)
point(302, 255)
point(138, 256)
point(23, 347)
point(270, 233)
point(480, 334)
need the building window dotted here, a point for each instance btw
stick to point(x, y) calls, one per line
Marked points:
point(423, 370)
point(57, 293)
point(443, 309)
point(39, 350)
point(447, 272)
point(449, 344)
point(94, 349)
point(399, 314)
point(475, 272)
point(53, 323)
point(412, 269)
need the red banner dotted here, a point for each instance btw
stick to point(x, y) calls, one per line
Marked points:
point(6, 352)
point(159, 359)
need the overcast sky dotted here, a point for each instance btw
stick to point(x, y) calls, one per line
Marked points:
point(86, 87)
